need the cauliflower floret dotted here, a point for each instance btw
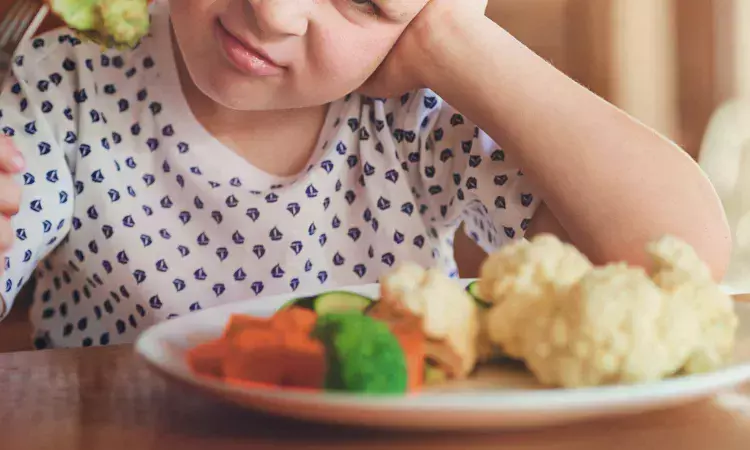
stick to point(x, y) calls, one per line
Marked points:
point(533, 267)
point(686, 279)
point(502, 325)
point(486, 349)
point(717, 324)
point(614, 326)
point(518, 278)
point(678, 259)
point(449, 315)
point(575, 325)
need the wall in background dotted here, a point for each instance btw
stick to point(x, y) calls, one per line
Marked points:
point(644, 62)
point(739, 46)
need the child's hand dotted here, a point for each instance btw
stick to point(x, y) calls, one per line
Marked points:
point(402, 70)
point(11, 163)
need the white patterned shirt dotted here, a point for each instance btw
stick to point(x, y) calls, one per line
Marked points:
point(133, 213)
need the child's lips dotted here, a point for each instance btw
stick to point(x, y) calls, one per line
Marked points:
point(245, 58)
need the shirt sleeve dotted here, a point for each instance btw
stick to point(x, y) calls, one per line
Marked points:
point(35, 112)
point(460, 174)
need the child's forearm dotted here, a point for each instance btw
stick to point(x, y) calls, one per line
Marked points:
point(611, 182)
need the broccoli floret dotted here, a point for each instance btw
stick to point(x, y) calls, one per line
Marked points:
point(362, 355)
point(77, 14)
point(113, 23)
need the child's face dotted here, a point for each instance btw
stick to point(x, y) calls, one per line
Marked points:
point(322, 49)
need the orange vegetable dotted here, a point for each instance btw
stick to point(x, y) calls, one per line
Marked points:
point(412, 341)
point(206, 359)
point(276, 351)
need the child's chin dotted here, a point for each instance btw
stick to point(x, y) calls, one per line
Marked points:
point(266, 99)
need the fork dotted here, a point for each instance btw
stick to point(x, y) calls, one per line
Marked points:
point(20, 22)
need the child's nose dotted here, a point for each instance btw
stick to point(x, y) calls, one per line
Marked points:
point(282, 17)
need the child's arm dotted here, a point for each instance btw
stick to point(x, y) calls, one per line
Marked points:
point(27, 105)
point(612, 183)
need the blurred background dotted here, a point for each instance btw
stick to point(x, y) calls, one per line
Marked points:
point(670, 63)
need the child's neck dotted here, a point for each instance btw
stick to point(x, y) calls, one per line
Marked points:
point(258, 136)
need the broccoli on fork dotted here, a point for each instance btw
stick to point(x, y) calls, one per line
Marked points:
point(112, 23)
point(362, 355)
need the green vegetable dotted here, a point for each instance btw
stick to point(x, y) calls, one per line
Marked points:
point(113, 23)
point(77, 14)
point(332, 302)
point(473, 290)
point(362, 355)
point(301, 302)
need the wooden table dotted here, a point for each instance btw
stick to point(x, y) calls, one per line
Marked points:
point(107, 399)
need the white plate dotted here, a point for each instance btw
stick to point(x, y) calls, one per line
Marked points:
point(499, 398)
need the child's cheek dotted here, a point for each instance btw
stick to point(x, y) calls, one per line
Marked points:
point(351, 58)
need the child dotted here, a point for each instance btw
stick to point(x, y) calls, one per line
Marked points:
point(225, 159)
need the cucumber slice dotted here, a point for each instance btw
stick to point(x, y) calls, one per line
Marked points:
point(302, 302)
point(331, 302)
point(340, 301)
point(473, 290)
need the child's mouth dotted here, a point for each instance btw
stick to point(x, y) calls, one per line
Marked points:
point(243, 57)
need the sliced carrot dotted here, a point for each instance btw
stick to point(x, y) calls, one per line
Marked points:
point(297, 319)
point(207, 359)
point(304, 369)
point(250, 355)
point(412, 341)
point(260, 364)
point(276, 350)
point(239, 322)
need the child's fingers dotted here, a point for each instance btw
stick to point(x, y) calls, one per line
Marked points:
point(6, 236)
point(10, 196)
point(11, 160)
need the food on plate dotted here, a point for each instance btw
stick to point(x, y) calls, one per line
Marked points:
point(487, 350)
point(539, 302)
point(275, 351)
point(473, 290)
point(450, 318)
point(299, 348)
point(332, 302)
point(362, 355)
point(608, 328)
point(207, 358)
point(611, 324)
point(517, 279)
point(111, 23)
point(686, 280)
